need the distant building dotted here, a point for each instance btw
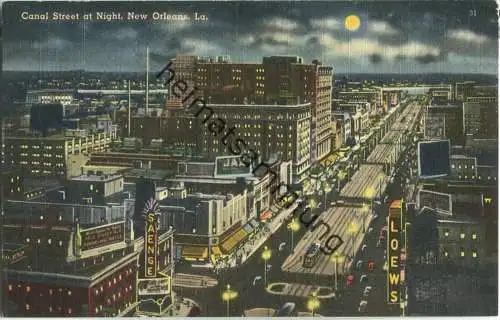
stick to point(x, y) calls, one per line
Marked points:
point(463, 90)
point(49, 96)
point(55, 155)
point(463, 167)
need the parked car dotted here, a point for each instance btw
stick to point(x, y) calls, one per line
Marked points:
point(363, 278)
point(350, 280)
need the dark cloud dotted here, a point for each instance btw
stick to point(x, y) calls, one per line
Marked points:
point(376, 58)
point(428, 58)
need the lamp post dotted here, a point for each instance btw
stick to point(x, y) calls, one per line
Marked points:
point(313, 303)
point(369, 193)
point(380, 177)
point(336, 258)
point(266, 255)
point(227, 296)
point(326, 190)
point(293, 226)
point(352, 229)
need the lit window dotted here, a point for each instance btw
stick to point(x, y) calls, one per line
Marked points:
point(27, 306)
point(50, 291)
point(10, 287)
point(474, 255)
point(38, 240)
point(462, 254)
point(41, 217)
point(28, 288)
point(474, 236)
point(446, 253)
point(446, 233)
point(69, 310)
point(60, 243)
point(69, 292)
point(50, 308)
point(49, 241)
point(28, 240)
point(462, 236)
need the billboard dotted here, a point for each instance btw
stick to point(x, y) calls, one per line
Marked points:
point(394, 245)
point(154, 286)
point(151, 239)
point(433, 158)
point(231, 166)
point(442, 202)
point(102, 236)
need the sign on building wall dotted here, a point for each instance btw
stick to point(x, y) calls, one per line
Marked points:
point(442, 202)
point(394, 253)
point(154, 286)
point(231, 166)
point(151, 239)
point(102, 236)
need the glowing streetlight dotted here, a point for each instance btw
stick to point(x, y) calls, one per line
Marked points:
point(313, 303)
point(266, 255)
point(229, 295)
point(352, 229)
point(370, 193)
point(326, 190)
point(293, 226)
point(312, 203)
point(336, 258)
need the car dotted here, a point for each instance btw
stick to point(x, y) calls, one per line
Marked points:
point(286, 310)
point(367, 291)
point(385, 267)
point(362, 306)
point(363, 278)
point(350, 280)
point(256, 280)
point(375, 216)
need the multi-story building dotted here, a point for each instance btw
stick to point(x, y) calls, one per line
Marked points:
point(269, 130)
point(93, 187)
point(463, 90)
point(480, 119)
point(444, 122)
point(56, 155)
point(346, 125)
point(337, 139)
point(11, 183)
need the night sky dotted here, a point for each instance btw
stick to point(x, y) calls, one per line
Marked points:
point(394, 37)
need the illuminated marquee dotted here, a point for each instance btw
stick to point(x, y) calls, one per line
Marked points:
point(151, 238)
point(394, 252)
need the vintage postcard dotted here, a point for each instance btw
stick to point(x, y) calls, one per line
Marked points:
point(249, 158)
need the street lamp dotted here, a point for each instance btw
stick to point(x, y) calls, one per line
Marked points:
point(228, 295)
point(352, 229)
point(313, 303)
point(380, 178)
point(326, 190)
point(369, 193)
point(312, 203)
point(266, 255)
point(340, 176)
point(293, 226)
point(336, 258)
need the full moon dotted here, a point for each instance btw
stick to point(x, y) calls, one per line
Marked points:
point(352, 23)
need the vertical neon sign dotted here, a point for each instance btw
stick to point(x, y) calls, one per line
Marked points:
point(151, 239)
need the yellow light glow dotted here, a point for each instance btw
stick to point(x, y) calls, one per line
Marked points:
point(352, 22)
point(266, 254)
point(337, 258)
point(370, 192)
point(313, 303)
point(294, 225)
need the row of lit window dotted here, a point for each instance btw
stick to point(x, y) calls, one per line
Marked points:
point(51, 291)
point(460, 166)
point(49, 241)
point(462, 254)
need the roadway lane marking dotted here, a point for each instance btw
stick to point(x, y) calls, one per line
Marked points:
point(300, 290)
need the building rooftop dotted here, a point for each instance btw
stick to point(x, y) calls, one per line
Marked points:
point(97, 177)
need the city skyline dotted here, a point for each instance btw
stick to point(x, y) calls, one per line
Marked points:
point(395, 37)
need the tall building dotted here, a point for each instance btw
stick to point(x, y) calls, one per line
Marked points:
point(480, 119)
point(280, 130)
point(278, 80)
point(444, 122)
point(463, 90)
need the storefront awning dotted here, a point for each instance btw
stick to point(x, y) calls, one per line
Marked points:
point(195, 252)
point(233, 241)
point(328, 161)
point(216, 251)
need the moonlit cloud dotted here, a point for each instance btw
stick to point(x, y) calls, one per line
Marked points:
point(381, 28)
point(281, 24)
point(326, 23)
point(467, 36)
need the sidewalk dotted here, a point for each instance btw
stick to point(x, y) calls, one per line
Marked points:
point(251, 246)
